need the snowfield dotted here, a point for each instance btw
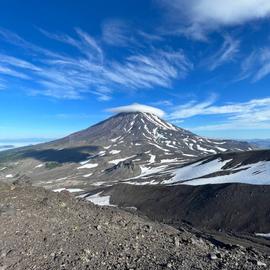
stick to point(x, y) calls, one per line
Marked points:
point(196, 174)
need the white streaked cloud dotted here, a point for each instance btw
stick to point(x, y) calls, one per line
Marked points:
point(31, 48)
point(191, 109)
point(10, 72)
point(15, 62)
point(137, 108)
point(90, 71)
point(164, 102)
point(119, 33)
point(116, 33)
point(207, 107)
point(256, 66)
point(143, 71)
point(228, 12)
point(201, 16)
point(2, 84)
point(254, 114)
point(227, 53)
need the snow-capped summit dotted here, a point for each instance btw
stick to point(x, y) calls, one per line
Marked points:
point(141, 131)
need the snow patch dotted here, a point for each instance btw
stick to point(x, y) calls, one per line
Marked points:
point(152, 158)
point(101, 153)
point(200, 148)
point(97, 184)
point(87, 175)
point(40, 166)
point(267, 235)
point(221, 149)
point(147, 171)
point(152, 182)
point(115, 139)
point(116, 161)
point(169, 160)
point(88, 166)
point(60, 179)
point(84, 162)
point(98, 199)
point(114, 152)
point(71, 190)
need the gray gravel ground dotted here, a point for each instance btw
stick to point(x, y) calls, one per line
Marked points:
point(40, 229)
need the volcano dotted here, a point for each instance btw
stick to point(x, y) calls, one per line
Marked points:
point(125, 146)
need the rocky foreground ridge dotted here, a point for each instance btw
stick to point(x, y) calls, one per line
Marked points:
point(41, 229)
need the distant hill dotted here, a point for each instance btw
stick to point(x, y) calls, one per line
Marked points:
point(260, 143)
point(6, 147)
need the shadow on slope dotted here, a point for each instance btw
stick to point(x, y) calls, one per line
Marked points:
point(66, 155)
point(230, 207)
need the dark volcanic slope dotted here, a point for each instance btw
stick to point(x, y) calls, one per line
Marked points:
point(121, 147)
point(50, 231)
point(229, 207)
point(140, 132)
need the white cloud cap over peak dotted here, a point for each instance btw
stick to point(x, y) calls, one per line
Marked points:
point(137, 108)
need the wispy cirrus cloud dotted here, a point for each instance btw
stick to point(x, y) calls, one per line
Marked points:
point(18, 41)
point(164, 102)
point(119, 33)
point(227, 53)
point(116, 32)
point(256, 66)
point(90, 71)
point(2, 84)
point(10, 72)
point(253, 114)
point(15, 62)
point(144, 71)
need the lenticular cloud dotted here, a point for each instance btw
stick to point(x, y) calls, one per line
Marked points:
point(137, 108)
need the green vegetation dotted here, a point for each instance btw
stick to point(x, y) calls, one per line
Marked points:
point(52, 165)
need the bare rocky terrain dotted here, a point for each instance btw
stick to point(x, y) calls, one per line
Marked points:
point(41, 229)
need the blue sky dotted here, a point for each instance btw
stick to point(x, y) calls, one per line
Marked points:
point(205, 63)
